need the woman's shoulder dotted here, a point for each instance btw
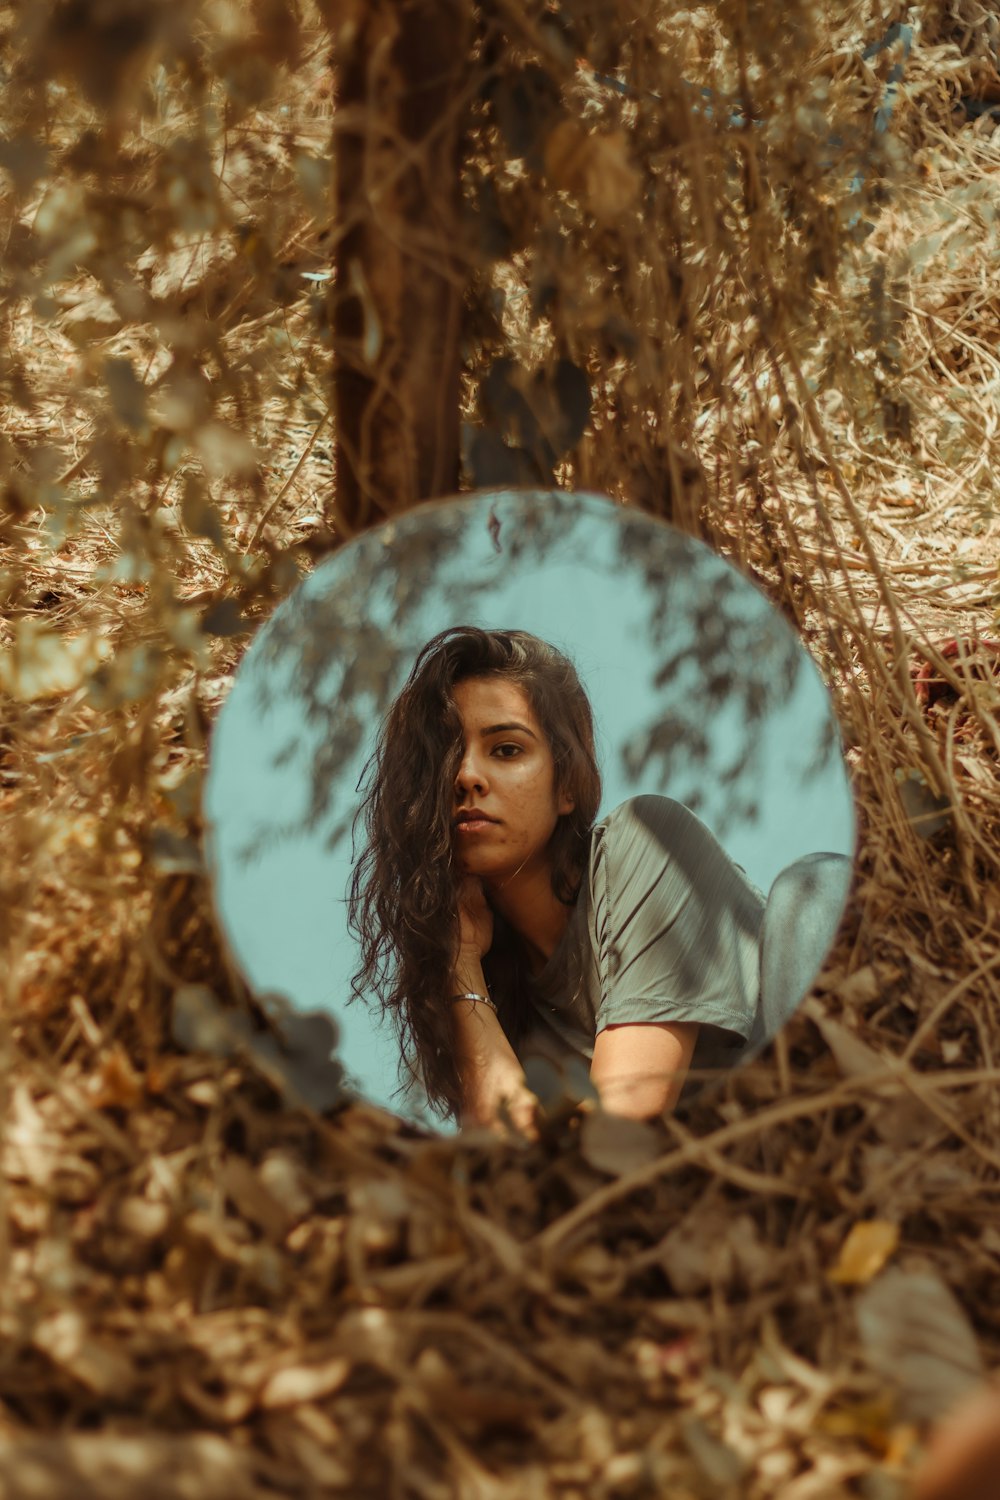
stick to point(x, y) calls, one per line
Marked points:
point(650, 835)
point(648, 817)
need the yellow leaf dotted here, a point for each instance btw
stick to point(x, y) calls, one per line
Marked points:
point(871, 1421)
point(865, 1251)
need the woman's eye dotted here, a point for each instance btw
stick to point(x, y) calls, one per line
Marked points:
point(507, 752)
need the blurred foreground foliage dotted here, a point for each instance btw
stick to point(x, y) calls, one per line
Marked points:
point(681, 283)
point(661, 259)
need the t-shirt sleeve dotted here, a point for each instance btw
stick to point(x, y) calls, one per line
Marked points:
point(676, 922)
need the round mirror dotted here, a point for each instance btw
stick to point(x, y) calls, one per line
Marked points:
point(711, 870)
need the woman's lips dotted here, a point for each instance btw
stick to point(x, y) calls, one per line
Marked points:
point(474, 824)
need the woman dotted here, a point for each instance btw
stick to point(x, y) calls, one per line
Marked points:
point(497, 921)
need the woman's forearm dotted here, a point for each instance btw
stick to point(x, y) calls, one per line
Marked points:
point(490, 1073)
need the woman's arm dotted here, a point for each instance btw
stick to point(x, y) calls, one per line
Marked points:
point(491, 1076)
point(639, 1067)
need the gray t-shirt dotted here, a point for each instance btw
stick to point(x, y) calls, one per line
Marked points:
point(665, 928)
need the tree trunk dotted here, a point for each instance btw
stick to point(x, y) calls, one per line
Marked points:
point(400, 273)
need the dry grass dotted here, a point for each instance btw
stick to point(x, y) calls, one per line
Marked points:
point(301, 1305)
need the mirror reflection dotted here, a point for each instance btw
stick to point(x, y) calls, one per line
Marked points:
point(532, 794)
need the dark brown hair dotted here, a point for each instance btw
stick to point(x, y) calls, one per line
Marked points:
point(403, 902)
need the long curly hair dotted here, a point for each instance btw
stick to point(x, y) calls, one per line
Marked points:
point(403, 899)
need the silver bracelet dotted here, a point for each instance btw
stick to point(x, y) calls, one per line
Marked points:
point(481, 999)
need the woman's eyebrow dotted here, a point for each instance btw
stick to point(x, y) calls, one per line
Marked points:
point(505, 728)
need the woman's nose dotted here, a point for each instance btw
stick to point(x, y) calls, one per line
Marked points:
point(471, 776)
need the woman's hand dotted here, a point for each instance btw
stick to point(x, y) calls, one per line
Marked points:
point(475, 919)
point(495, 1092)
point(499, 1094)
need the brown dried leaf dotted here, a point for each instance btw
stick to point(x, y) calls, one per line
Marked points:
point(616, 1145)
point(917, 1336)
point(93, 317)
point(123, 1465)
point(698, 1252)
point(43, 663)
point(296, 1384)
point(254, 1201)
point(63, 1336)
point(142, 1220)
point(595, 167)
point(36, 1152)
point(287, 1181)
point(854, 1058)
point(116, 1085)
point(721, 1466)
point(612, 184)
point(225, 452)
point(866, 984)
point(566, 152)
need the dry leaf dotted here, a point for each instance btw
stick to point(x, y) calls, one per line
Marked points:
point(140, 1219)
point(225, 452)
point(916, 1335)
point(699, 1252)
point(611, 185)
point(33, 1151)
point(123, 1466)
point(721, 1466)
point(299, 1383)
point(854, 1058)
point(42, 663)
point(865, 1251)
point(594, 166)
point(116, 1085)
point(928, 813)
point(254, 1201)
point(616, 1145)
point(866, 984)
point(287, 1182)
point(566, 149)
point(63, 1336)
point(93, 317)
point(868, 1420)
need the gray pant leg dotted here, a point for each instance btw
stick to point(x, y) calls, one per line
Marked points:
point(801, 917)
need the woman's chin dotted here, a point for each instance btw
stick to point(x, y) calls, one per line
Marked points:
point(471, 862)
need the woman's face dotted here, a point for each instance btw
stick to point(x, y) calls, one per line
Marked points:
point(506, 801)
